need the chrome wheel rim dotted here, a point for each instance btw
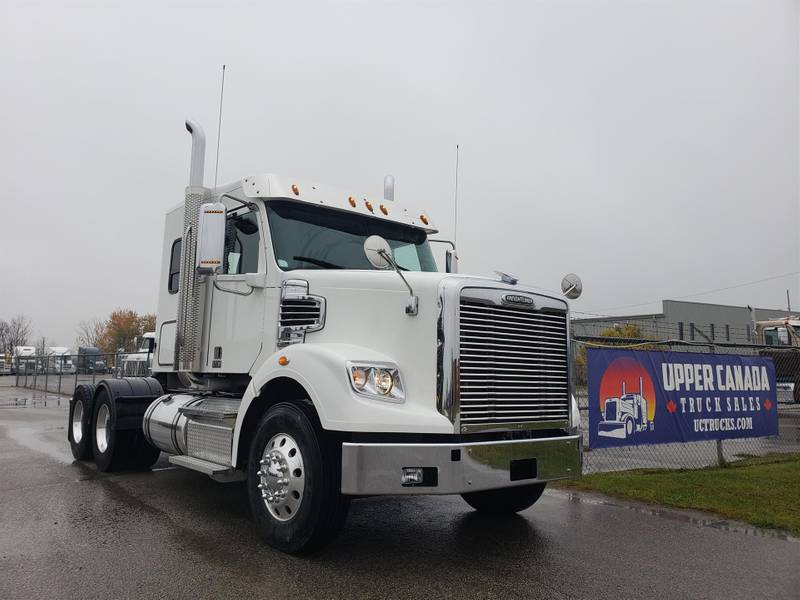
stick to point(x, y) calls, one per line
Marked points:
point(101, 429)
point(77, 422)
point(282, 477)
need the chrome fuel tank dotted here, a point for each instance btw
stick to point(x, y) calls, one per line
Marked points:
point(165, 426)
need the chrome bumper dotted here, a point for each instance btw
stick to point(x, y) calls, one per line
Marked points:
point(371, 469)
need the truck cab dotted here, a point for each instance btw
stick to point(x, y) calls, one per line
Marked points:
point(307, 342)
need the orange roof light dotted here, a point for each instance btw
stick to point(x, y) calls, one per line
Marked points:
point(295, 189)
point(352, 201)
point(384, 210)
point(368, 205)
point(283, 361)
point(424, 219)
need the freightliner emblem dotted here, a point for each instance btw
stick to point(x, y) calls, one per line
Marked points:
point(517, 299)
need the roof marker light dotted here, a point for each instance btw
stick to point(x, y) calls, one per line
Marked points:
point(352, 201)
point(384, 210)
point(295, 189)
point(368, 205)
point(424, 219)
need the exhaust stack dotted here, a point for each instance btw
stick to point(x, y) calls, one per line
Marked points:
point(189, 318)
point(197, 164)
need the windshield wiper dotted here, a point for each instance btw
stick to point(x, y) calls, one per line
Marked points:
point(318, 262)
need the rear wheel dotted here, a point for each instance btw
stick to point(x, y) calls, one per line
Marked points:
point(116, 449)
point(505, 501)
point(294, 482)
point(79, 430)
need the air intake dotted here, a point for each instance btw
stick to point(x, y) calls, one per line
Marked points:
point(300, 312)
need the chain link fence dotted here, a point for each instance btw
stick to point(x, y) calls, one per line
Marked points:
point(692, 455)
point(62, 373)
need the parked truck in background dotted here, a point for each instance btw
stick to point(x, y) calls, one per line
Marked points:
point(139, 363)
point(59, 360)
point(307, 344)
point(23, 359)
point(784, 335)
point(90, 360)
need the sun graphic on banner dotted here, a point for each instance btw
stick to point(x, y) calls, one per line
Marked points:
point(627, 371)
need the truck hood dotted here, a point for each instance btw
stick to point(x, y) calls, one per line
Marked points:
point(367, 309)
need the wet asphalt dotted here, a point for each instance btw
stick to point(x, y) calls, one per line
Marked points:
point(67, 531)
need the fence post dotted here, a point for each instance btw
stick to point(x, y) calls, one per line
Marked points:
point(16, 373)
point(720, 456)
point(46, 375)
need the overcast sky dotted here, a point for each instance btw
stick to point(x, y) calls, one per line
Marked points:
point(651, 147)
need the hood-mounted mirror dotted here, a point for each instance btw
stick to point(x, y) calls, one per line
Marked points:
point(379, 254)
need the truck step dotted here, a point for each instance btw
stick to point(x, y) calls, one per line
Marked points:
point(217, 472)
point(216, 409)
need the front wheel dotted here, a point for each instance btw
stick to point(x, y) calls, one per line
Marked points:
point(505, 501)
point(294, 482)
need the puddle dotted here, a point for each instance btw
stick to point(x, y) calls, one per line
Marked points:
point(673, 514)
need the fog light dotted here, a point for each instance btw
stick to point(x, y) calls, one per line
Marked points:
point(411, 476)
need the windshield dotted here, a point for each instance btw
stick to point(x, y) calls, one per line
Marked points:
point(311, 237)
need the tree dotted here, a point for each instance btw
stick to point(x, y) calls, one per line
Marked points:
point(41, 346)
point(16, 332)
point(4, 346)
point(123, 328)
point(89, 332)
point(626, 331)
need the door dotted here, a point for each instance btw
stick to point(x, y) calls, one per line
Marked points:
point(236, 315)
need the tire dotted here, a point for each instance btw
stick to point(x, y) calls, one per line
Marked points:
point(115, 449)
point(312, 510)
point(505, 501)
point(79, 424)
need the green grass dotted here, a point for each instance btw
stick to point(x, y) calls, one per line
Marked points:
point(763, 491)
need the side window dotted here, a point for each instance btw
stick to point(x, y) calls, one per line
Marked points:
point(241, 243)
point(174, 278)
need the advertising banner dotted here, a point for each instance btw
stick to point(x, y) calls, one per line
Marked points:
point(638, 397)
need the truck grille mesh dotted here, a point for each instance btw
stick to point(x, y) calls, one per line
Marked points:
point(513, 365)
point(300, 312)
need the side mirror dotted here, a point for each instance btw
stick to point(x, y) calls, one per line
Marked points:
point(211, 237)
point(451, 261)
point(571, 286)
point(376, 249)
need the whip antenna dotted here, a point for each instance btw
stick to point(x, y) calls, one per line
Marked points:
point(219, 124)
point(455, 208)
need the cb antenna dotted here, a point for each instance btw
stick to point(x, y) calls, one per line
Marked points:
point(219, 124)
point(455, 207)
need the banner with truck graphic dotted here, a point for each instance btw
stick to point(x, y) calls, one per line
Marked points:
point(638, 397)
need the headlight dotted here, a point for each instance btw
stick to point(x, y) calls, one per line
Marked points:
point(380, 381)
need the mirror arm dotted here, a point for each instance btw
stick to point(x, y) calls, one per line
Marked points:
point(452, 244)
point(413, 302)
point(247, 203)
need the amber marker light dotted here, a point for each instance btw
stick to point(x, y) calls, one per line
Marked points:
point(384, 210)
point(368, 205)
point(283, 361)
point(424, 219)
point(352, 201)
point(295, 189)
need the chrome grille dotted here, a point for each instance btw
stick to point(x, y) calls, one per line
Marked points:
point(300, 312)
point(512, 365)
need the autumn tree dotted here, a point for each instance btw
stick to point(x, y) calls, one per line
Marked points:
point(122, 328)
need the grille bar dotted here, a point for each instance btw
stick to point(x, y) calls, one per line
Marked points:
point(513, 366)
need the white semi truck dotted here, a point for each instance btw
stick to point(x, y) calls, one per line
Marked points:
point(307, 344)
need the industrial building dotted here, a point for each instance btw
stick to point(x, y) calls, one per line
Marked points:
point(690, 321)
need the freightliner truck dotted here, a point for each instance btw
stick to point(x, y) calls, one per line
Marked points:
point(307, 344)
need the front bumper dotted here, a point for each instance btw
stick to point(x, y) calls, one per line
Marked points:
point(374, 468)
